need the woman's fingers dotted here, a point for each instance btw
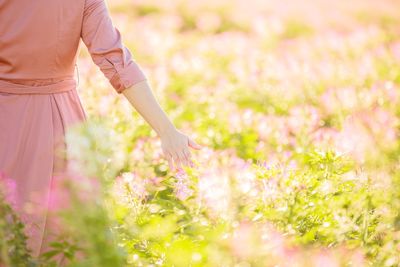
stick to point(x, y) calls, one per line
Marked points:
point(180, 154)
point(184, 158)
point(188, 157)
point(177, 160)
point(193, 144)
point(169, 158)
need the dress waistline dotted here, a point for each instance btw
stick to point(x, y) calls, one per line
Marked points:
point(7, 86)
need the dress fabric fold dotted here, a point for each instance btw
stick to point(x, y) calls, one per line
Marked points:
point(32, 134)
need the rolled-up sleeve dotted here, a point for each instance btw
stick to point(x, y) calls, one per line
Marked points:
point(104, 43)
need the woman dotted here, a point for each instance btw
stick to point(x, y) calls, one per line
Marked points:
point(39, 44)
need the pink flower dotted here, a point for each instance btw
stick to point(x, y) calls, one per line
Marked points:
point(155, 180)
point(303, 118)
point(65, 185)
point(8, 188)
point(325, 259)
point(243, 240)
point(181, 189)
point(395, 49)
point(130, 183)
point(215, 192)
point(273, 241)
point(324, 137)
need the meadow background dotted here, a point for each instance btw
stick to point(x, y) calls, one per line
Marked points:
point(297, 104)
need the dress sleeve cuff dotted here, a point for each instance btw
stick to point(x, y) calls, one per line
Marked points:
point(127, 76)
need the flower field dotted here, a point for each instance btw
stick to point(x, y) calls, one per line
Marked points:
point(297, 106)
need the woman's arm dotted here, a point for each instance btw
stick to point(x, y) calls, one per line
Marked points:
point(114, 59)
point(175, 144)
point(104, 43)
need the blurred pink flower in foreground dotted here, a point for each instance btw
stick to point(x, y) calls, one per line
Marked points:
point(8, 188)
point(64, 189)
point(65, 185)
point(325, 259)
point(243, 241)
point(395, 48)
point(261, 241)
point(273, 241)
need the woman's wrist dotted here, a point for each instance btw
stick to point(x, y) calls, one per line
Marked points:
point(141, 97)
point(165, 129)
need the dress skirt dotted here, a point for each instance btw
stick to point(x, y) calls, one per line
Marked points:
point(34, 117)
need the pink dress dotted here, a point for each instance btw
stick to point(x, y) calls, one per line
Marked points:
point(39, 45)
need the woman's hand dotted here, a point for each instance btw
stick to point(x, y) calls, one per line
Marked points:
point(175, 146)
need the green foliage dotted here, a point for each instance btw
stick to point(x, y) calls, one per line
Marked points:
point(300, 119)
point(13, 249)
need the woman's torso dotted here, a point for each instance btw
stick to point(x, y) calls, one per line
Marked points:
point(39, 40)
